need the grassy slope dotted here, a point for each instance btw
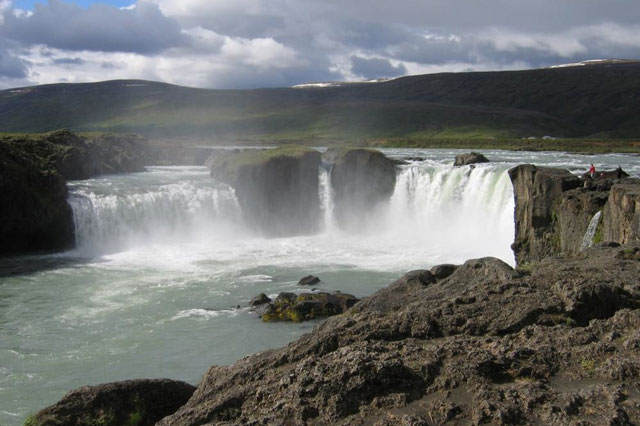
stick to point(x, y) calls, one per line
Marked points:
point(495, 107)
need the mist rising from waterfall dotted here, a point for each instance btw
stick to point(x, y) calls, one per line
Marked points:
point(436, 211)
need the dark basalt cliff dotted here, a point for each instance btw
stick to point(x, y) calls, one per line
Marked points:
point(34, 214)
point(362, 180)
point(276, 188)
point(554, 209)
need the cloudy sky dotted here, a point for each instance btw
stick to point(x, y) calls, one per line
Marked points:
point(267, 43)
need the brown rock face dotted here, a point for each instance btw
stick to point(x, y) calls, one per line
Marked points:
point(277, 189)
point(621, 215)
point(537, 193)
point(132, 402)
point(554, 209)
point(362, 180)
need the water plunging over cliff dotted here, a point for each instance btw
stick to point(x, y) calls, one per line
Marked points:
point(433, 206)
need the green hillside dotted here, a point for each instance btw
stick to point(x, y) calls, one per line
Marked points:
point(597, 101)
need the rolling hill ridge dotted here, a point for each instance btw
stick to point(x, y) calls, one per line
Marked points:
point(601, 100)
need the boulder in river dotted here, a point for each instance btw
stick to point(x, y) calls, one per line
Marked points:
point(470, 158)
point(309, 280)
point(260, 299)
point(362, 181)
point(307, 306)
point(276, 188)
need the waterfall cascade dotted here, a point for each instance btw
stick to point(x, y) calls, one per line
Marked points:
point(116, 214)
point(432, 204)
point(587, 240)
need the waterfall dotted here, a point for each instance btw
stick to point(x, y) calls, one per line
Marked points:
point(326, 199)
point(455, 207)
point(587, 240)
point(461, 210)
point(115, 213)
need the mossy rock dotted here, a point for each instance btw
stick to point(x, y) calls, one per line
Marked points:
point(307, 306)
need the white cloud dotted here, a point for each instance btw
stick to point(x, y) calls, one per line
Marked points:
point(257, 43)
point(260, 52)
point(565, 45)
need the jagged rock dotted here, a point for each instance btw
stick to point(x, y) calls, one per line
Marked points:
point(554, 209)
point(307, 306)
point(485, 344)
point(309, 280)
point(470, 158)
point(260, 299)
point(132, 402)
point(621, 215)
point(547, 221)
point(362, 180)
point(276, 188)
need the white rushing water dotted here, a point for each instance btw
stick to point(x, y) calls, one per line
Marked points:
point(587, 240)
point(159, 283)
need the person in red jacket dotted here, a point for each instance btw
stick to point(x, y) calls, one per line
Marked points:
point(592, 171)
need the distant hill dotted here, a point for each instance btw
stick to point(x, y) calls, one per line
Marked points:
point(599, 99)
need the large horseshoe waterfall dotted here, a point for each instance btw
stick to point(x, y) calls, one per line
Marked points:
point(165, 265)
point(435, 210)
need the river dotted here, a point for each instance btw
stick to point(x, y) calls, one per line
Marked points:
point(159, 283)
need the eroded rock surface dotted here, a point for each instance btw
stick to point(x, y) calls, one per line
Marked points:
point(555, 344)
point(132, 402)
point(554, 209)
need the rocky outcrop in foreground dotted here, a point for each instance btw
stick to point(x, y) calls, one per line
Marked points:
point(34, 214)
point(132, 402)
point(362, 180)
point(554, 209)
point(276, 188)
point(557, 344)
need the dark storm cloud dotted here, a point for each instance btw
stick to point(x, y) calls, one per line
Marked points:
point(11, 66)
point(143, 29)
point(376, 67)
point(469, 15)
